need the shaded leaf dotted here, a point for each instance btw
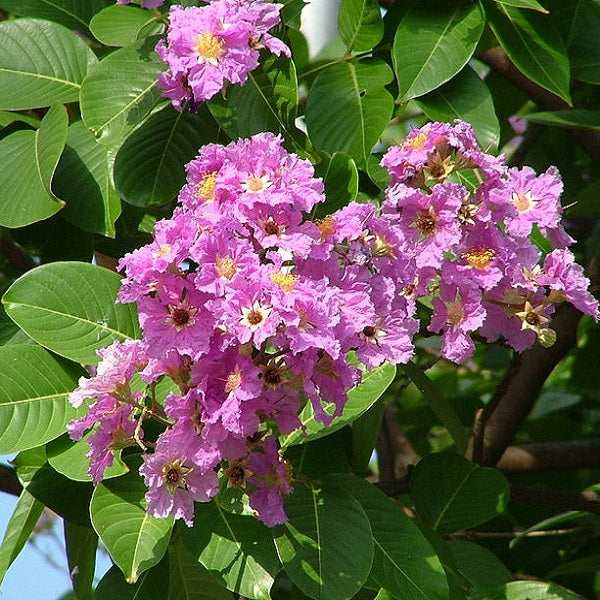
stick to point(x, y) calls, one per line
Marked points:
point(189, 580)
point(348, 107)
point(451, 493)
point(584, 50)
point(43, 303)
point(465, 97)
point(41, 63)
point(326, 546)
point(527, 4)
point(238, 550)
point(135, 540)
point(121, 91)
point(534, 45)
point(119, 25)
point(84, 179)
point(340, 177)
point(360, 399)
point(149, 166)
point(267, 102)
point(414, 575)
point(34, 389)
point(81, 545)
point(151, 585)
point(360, 24)
point(576, 117)
point(433, 42)
point(29, 159)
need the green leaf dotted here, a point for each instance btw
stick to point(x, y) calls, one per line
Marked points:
point(69, 307)
point(576, 117)
point(238, 550)
point(121, 25)
point(465, 97)
point(19, 528)
point(34, 389)
point(360, 24)
point(189, 580)
point(366, 430)
point(534, 45)
point(7, 118)
point(586, 564)
point(414, 575)
point(29, 159)
point(348, 107)
point(326, 546)
point(135, 540)
point(42, 63)
point(121, 91)
point(149, 167)
point(84, 179)
point(151, 585)
point(477, 565)
point(587, 202)
point(433, 43)
point(451, 493)
point(267, 102)
point(582, 42)
point(340, 177)
point(69, 458)
point(74, 14)
point(81, 545)
point(360, 399)
point(528, 590)
point(527, 4)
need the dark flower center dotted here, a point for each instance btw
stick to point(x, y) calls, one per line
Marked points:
point(425, 223)
point(369, 331)
point(271, 228)
point(254, 317)
point(180, 316)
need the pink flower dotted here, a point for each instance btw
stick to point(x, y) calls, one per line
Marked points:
point(213, 45)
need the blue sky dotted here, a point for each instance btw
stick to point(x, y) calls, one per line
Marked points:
point(31, 576)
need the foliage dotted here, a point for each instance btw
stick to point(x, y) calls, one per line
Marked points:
point(93, 155)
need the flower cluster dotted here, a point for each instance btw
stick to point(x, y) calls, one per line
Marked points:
point(213, 45)
point(249, 309)
point(467, 221)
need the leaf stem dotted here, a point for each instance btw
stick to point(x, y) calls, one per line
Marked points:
point(440, 406)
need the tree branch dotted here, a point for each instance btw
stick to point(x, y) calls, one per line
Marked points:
point(550, 455)
point(9, 482)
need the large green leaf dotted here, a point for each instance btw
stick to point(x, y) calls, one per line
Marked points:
point(121, 25)
point(121, 90)
point(74, 14)
point(340, 177)
point(348, 107)
point(149, 167)
point(528, 590)
point(414, 575)
point(533, 44)
point(433, 43)
point(576, 117)
point(29, 159)
point(451, 493)
point(326, 546)
point(84, 180)
point(465, 97)
point(81, 543)
point(19, 528)
point(189, 580)
point(360, 399)
point(267, 102)
point(360, 24)
point(135, 540)
point(151, 585)
point(69, 307)
point(238, 550)
point(41, 63)
point(34, 389)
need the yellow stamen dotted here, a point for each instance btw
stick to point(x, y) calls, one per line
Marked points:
point(209, 48)
point(286, 281)
point(480, 257)
point(206, 187)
